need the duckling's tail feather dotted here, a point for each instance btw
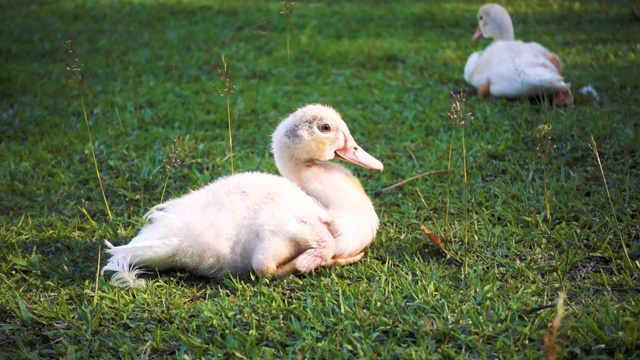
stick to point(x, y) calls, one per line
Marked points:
point(125, 274)
point(542, 80)
point(126, 259)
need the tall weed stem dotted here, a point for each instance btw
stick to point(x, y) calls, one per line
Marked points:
point(458, 116)
point(226, 90)
point(594, 148)
point(174, 161)
point(74, 65)
point(446, 213)
point(544, 146)
point(260, 31)
point(466, 199)
point(288, 12)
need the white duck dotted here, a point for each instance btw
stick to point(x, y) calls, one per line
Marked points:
point(511, 68)
point(263, 222)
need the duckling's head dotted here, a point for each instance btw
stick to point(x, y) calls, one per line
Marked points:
point(494, 22)
point(317, 132)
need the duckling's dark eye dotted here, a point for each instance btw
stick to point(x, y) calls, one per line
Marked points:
point(325, 128)
point(480, 17)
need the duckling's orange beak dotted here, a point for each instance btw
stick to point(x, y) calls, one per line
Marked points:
point(353, 153)
point(478, 35)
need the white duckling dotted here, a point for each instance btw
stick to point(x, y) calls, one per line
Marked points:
point(511, 68)
point(253, 221)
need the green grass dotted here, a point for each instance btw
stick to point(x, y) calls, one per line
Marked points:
point(543, 222)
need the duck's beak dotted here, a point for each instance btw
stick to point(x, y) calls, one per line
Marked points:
point(478, 35)
point(353, 153)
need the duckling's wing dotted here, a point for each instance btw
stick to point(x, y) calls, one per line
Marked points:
point(537, 73)
point(470, 67)
point(300, 246)
point(515, 69)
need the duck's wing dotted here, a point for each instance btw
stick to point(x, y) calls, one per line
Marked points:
point(537, 72)
point(514, 69)
point(470, 67)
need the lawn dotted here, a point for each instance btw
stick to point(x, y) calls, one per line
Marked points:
point(537, 208)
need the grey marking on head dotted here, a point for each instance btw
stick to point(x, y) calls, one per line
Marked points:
point(292, 132)
point(311, 121)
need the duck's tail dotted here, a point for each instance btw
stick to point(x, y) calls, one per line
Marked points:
point(124, 272)
point(544, 81)
point(126, 260)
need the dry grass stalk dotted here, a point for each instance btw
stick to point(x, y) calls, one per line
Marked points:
point(287, 10)
point(74, 66)
point(550, 337)
point(403, 182)
point(175, 159)
point(226, 90)
point(627, 262)
point(459, 116)
point(544, 145)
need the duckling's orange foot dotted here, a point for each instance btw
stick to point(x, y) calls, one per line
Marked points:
point(344, 261)
point(484, 90)
point(555, 60)
point(272, 271)
point(305, 262)
point(563, 98)
point(281, 271)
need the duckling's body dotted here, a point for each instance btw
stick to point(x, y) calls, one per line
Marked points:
point(230, 226)
point(511, 68)
point(262, 222)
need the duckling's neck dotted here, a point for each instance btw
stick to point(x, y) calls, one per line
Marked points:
point(290, 167)
point(505, 30)
point(354, 219)
point(505, 37)
point(327, 182)
point(305, 173)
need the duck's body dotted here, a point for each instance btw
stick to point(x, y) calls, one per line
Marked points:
point(511, 68)
point(261, 222)
point(514, 69)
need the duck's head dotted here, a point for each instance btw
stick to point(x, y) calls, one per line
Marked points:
point(494, 22)
point(317, 132)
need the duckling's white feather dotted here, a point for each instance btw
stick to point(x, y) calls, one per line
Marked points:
point(125, 274)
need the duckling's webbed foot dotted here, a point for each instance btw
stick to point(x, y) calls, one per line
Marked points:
point(277, 272)
point(323, 247)
point(484, 90)
point(311, 234)
point(563, 98)
point(344, 261)
point(307, 261)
